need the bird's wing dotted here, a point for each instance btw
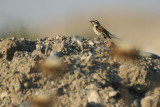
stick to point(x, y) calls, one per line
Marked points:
point(103, 31)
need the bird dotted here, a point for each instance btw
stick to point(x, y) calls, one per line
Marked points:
point(100, 30)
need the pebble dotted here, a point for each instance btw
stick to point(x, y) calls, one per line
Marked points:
point(146, 102)
point(79, 38)
point(136, 103)
point(94, 97)
point(133, 69)
point(26, 84)
point(91, 43)
point(83, 90)
point(17, 86)
point(36, 57)
point(37, 93)
point(52, 82)
point(113, 93)
point(43, 39)
point(38, 47)
point(4, 95)
point(96, 76)
point(149, 54)
point(53, 54)
point(25, 104)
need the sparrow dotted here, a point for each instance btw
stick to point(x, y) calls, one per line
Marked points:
point(100, 30)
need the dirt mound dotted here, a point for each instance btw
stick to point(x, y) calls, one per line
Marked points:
point(73, 71)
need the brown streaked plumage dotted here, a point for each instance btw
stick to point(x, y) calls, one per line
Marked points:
point(104, 32)
point(100, 30)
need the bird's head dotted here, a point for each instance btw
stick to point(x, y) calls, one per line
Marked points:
point(94, 22)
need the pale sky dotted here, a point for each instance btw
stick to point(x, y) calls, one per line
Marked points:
point(36, 11)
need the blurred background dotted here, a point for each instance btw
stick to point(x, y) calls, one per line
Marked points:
point(136, 21)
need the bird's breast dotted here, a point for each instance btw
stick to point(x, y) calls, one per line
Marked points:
point(98, 33)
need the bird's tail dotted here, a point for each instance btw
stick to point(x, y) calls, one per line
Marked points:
point(112, 36)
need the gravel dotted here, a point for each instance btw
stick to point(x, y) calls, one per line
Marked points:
point(75, 72)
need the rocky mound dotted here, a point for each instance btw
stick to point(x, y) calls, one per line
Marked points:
point(75, 72)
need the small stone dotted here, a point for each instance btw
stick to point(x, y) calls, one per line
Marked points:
point(13, 38)
point(113, 93)
point(81, 44)
point(146, 101)
point(36, 93)
point(38, 47)
point(76, 71)
point(110, 88)
point(4, 95)
point(43, 39)
point(96, 76)
point(106, 97)
point(17, 86)
point(52, 82)
point(26, 84)
point(77, 75)
point(54, 54)
point(57, 37)
point(83, 90)
point(79, 38)
point(97, 42)
point(133, 69)
point(148, 54)
point(36, 57)
point(94, 97)
point(91, 43)
point(74, 83)
point(25, 104)
point(136, 103)
point(157, 91)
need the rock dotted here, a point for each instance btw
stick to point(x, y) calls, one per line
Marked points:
point(26, 85)
point(52, 82)
point(54, 54)
point(43, 39)
point(17, 86)
point(91, 43)
point(58, 46)
point(36, 57)
point(8, 47)
point(94, 98)
point(37, 93)
point(76, 71)
point(148, 54)
point(133, 77)
point(157, 91)
point(136, 103)
point(38, 47)
point(133, 69)
point(79, 38)
point(4, 95)
point(81, 44)
point(113, 93)
point(83, 90)
point(96, 76)
point(146, 102)
point(151, 101)
point(25, 104)
point(57, 37)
